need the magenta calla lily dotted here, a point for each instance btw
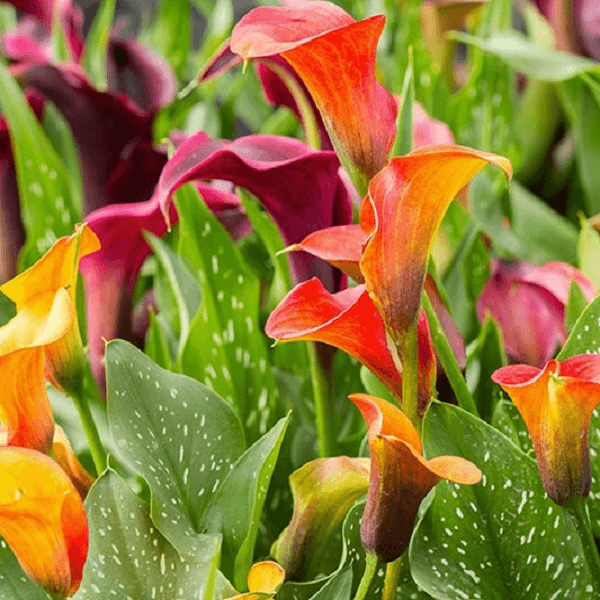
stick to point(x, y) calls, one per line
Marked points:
point(528, 303)
point(299, 187)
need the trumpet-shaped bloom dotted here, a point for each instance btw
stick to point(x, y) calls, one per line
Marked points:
point(529, 303)
point(67, 459)
point(404, 209)
point(400, 477)
point(42, 519)
point(334, 56)
point(298, 186)
point(556, 403)
point(37, 286)
point(349, 320)
point(264, 579)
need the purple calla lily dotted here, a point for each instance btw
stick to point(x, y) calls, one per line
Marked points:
point(528, 302)
point(299, 187)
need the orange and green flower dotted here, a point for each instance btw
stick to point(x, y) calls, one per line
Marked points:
point(400, 477)
point(556, 403)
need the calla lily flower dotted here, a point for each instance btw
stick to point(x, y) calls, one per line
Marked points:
point(556, 403)
point(528, 303)
point(37, 286)
point(43, 520)
point(400, 477)
point(298, 186)
point(264, 579)
point(349, 321)
point(65, 456)
point(323, 490)
point(334, 56)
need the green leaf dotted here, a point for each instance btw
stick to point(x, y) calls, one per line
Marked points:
point(575, 305)
point(47, 206)
point(236, 508)
point(129, 558)
point(585, 336)
point(485, 356)
point(96, 44)
point(220, 21)
point(171, 33)
point(338, 587)
point(183, 285)
point(526, 57)
point(8, 309)
point(226, 347)
point(14, 584)
point(157, 344)
point(373, 386)
point(547, 234)
point(404, 122)
point(176, 433)
point(508, 420)
point(589, 253)
point(593, 501)
point(492, 540)
point(8, 17)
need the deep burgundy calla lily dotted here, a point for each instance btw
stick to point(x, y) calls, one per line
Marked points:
point(298, 186)
point(528, 303)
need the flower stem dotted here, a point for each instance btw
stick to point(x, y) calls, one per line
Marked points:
point(448, 360)
point(91, 431)
point(392, 575)
point(369, 573)
point(324, 413)
point(409, 356)
point(578, 511)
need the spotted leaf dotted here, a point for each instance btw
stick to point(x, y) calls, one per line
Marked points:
point(129, 558)
point(176, 433)
point(225, 348)
point(585, 335)
point(490, 540)
point(14, 584)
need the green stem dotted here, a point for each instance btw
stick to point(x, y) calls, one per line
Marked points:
point(369, 573)
point(578, 511)
point(448, 360)
point(91, 431)
point(409, 355)
point(392, 575)
point(324, 413)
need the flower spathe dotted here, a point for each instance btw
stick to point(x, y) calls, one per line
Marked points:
point(264, 579)
point(556, 403)
point(42, 519)
point(400, 477)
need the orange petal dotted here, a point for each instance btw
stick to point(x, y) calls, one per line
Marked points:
point(383, 418)
point(66, 458)
point(340, 246)
point(25, 411)
point(335, 58)
point(347, 320)
point(57, 269)
point(406, 204)
point(42, 519)
point(266, 576)
point(556, 404)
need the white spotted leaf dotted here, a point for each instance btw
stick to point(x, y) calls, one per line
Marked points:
point(585, 336)
point(14, 584)
point(226, 348)
point(491, 540)
point(179, 435)
point(129, 558)
point(236, 508)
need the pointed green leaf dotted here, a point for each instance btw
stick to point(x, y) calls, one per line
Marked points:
point(171, 33)
point(8, 309)
point(575, 305)
point(14, 584)
point(404, 121)
point(236, 508)
point(589, 253)
point(491, 540)
point(226, 348)
point(129, 558)
point(157, 344)
point(47, 206)
point(594, 497)
point(96, 44)
point(585, 336)
point(176, 433)
point(338, 587)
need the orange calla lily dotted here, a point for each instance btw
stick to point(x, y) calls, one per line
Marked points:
point(264, 579)
point(42, 519)
point(400, 477)
point(25, 412)
point(556, 403)
point(335, 57)
point(403, 211)
point(57, 269)
point(67, 459)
